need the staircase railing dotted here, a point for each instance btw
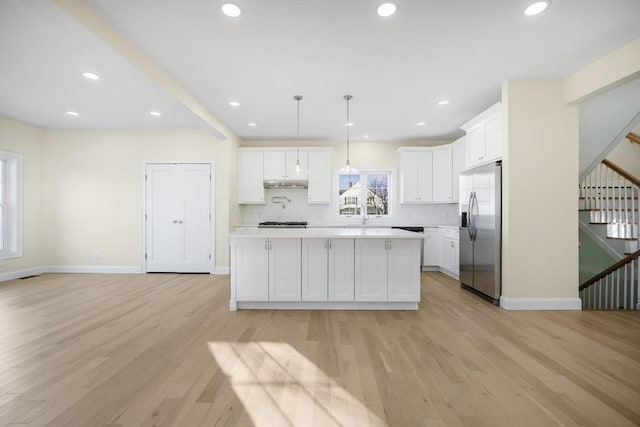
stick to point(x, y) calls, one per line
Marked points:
point(635, 139)
point(615, 288)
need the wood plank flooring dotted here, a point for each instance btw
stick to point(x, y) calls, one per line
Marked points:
point(163, 350)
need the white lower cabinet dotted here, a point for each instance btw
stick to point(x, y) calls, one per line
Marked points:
point(268, 269)
point(327, 269)
point(431, 247)
point(449, 250)
point(386, 270)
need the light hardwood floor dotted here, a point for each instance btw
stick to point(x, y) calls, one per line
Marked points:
point(163, 350)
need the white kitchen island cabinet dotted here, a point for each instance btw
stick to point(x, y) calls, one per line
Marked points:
point(325, 268)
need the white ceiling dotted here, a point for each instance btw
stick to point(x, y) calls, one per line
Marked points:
point(396, 68)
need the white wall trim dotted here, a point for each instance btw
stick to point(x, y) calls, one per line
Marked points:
point(540, 303)
point(103, 269)
point(222, 270)
point(19, 274)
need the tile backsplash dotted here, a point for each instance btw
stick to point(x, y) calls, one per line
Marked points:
point(296, 208)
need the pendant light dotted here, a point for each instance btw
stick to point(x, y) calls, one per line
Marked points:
point(347, 169)
point(298, 98)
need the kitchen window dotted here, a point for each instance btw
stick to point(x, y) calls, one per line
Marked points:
point(10, 205)
point(367, 188)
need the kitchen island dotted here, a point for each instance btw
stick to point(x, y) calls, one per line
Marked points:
point(325, 269)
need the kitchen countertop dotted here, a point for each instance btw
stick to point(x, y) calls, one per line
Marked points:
point(334, 233)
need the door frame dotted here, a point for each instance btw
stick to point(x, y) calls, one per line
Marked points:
point(212, 206)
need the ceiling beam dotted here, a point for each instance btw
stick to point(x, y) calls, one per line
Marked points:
point(86, 16)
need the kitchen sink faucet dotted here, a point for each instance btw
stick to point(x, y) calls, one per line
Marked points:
point(363, 208)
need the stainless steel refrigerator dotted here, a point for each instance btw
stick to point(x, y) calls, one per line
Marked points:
point(481, 230)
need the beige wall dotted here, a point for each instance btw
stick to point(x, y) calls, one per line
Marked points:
point(24, 139)
point(93, 193)
point(540, 200)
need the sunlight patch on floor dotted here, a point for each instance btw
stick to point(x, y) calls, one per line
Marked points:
point(278, 386)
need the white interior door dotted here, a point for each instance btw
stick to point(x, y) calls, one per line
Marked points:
point(178, 218)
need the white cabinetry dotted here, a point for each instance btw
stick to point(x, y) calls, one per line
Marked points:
point(426, 174)
point(449, 250)
point(319, 174)
point(327, 269)
point(267, 269)
point(251, 177)
point(431, 247)
point(385, 270)
point(459, 164)
point(416, 176)
point(281, 165)
point(484, 136)
point(442, 174)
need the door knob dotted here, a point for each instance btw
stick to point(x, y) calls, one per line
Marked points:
point(175, 221)
point(180, 222)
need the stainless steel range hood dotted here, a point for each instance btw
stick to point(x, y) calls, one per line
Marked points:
point(295, 184)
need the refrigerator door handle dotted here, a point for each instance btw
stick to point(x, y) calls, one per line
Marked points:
point(469, 217)
point(474, 214)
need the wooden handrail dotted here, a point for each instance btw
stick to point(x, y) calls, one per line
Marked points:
point(635, 181)
point(635, 139)
point(614, 267)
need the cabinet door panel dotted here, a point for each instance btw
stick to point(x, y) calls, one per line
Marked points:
point(285, 269)
point(314, 269)
point(404, 270)
point(341, 270)
point(274, 165)
point(442, 171)
point(252, 269)
point(371, 270)
point(475, 145)
point(251, 171)
point(408, 177)
point(459, 164)
point(431, 247)
point(425, 176)
point(319, 177)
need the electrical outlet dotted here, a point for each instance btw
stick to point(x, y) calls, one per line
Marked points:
point(97, 256)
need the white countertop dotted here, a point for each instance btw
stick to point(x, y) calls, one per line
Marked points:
point(333, 233)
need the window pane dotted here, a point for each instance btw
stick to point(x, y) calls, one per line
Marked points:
point(1, 228)
point(349, 191)
point(378, 194)
point(2, 180)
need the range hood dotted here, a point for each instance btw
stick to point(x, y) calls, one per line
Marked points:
point(289, 183)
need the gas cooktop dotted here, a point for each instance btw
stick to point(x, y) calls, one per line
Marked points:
point(283, 224)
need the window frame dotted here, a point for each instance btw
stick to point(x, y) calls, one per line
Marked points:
point(11, 204)
point(371, 219)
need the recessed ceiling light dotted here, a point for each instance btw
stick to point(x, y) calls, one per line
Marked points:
point(349, 123)
point(252, 124)
point(536, 8)
point(365, 136)
point(231, 10)
point(72, 113)
point(155, 113)
point(386, 9)
point(91, 76)
point(443, 102)
point(234, 103)
point(421, 124)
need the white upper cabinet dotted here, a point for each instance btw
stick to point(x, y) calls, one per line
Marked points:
point(484, 136)
point(416, 176)
point(251, 177)
point(442, 174)
point(459, 163)
point(426, 174)
point(319, 173)
point(281, 165)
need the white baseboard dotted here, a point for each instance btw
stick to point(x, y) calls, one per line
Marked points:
point(222, 270)
point(540, 303)
point(104, 269)
point(19, 274)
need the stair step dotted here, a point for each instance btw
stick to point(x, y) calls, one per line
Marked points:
point(624, 231)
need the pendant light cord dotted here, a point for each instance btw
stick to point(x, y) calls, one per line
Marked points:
point(298, 98)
